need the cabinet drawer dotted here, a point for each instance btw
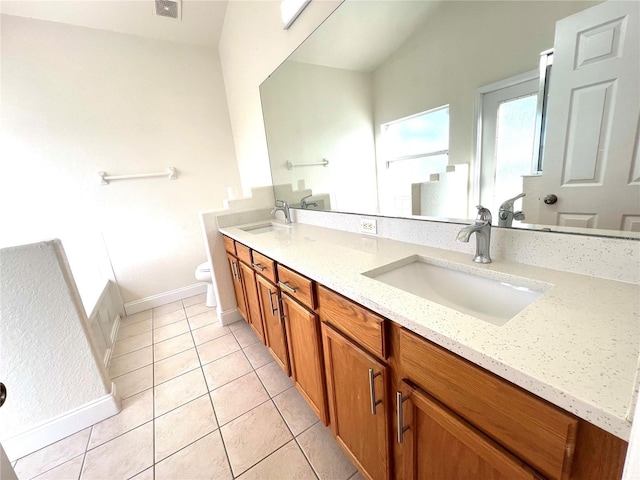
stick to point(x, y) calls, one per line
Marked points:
point(229, 245)
point(296, 285)
point(363, 326)
point(244, 253)
point(536, 431)
point(264, 266)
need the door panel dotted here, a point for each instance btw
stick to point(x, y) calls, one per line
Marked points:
point(275, 335)
point(253, 303)
point(238, 287)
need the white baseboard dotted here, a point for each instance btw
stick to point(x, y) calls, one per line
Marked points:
point(62, 426)
point(229, 317)
point(163, 298)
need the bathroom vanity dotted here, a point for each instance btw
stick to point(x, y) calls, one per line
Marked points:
point(414, 389)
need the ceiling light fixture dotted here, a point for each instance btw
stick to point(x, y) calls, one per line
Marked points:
point(290, 9)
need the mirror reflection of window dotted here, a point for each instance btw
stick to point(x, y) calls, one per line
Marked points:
point(508, 125)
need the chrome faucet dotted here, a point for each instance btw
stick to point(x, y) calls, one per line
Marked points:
point(482, 229)
point(304, 204)
point(506, 215)
point(282, 206)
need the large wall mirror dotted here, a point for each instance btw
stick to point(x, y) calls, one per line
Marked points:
point(427, 108)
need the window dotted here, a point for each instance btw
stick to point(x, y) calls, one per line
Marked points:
point(422, 135)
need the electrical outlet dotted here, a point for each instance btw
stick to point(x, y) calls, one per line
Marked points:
point(369, 226)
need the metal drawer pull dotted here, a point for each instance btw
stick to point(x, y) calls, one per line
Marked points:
point(372, 390)
point(273, 310)
point(258, 266)
point(288, 287)
point(400, 412)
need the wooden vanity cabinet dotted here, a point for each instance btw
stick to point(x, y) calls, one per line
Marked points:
point(437, 444)
point(274, 329)
point(305, 354)
point(253, 302)
point(238, 286)
point(537, 432)
point(357, 393)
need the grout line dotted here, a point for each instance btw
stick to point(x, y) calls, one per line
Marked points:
point(153, 402)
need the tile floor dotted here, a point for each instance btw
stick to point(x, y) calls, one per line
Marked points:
point(199, 401)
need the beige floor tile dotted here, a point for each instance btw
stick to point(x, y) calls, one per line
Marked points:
point(134, 382)
point(169, 307)
point(236, 325)
point(182, 426)
point(169, 331)
point(288, 463)
point(226, 369)
point(238, 397)
point(136, 317)
point(66, 471)
point(217, 348)
point(187, 302)
point(324, 454)
point(131, 344)
point(127, 331)
point(175, 365)
point(203, 319)
point(204, 459)
point(172, 346)
point(179, 391)
point(168, 318)
point(274, 379)
point(209, 332)
point(245, 336)
point(53, 455)
point(136, 410)
point(295, 411)
point(258, 355)
point(130, 362)
point(253, 436)
point(198, 308)
point(145, 475)
point(122, 457)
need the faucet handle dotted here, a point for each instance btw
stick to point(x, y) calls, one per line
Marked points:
point(508, 204)
point(484, 215)
point(281, 203)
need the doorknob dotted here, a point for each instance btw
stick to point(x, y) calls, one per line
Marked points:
point(550, 199)
point(3, 393)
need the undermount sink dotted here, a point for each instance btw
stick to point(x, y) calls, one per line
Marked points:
point(264, 228)
point(488, 295)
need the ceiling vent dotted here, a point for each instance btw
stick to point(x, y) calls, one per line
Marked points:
point(169, 8)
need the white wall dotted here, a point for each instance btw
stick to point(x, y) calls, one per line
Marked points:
point(333, 109)
point(46, 359)
point(252, 45)
point(76, 101)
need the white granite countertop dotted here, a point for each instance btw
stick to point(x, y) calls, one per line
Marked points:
point(576, 346)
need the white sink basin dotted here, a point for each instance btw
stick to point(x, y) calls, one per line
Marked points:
point(490, 296)
point(265, 227)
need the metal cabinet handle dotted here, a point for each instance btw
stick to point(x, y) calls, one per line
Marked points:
point(258, 267)
point(288, 287)
point(3, 394)
point(372, 390)
point(400, 419)
point(234, 270)
point(280, 315)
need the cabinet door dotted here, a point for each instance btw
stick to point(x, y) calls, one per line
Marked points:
point(438, 444)
point(253, 303)
point(305, 354)
point(276, 339)
point(238, 287)
point(357, 388)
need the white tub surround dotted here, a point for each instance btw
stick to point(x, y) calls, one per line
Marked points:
point(576, 346)
point(54, 372)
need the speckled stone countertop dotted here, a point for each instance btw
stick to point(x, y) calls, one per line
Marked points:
point(576, 346)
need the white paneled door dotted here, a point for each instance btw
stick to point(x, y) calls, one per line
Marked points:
point(591, 151)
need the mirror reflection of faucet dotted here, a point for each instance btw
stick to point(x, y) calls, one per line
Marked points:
point(506, 215)
point(482, 229)
point(305, 205)
point(283, 207)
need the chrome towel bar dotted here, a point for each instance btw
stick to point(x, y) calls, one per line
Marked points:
point(171, 172)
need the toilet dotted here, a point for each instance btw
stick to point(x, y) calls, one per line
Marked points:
point(203, 273)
